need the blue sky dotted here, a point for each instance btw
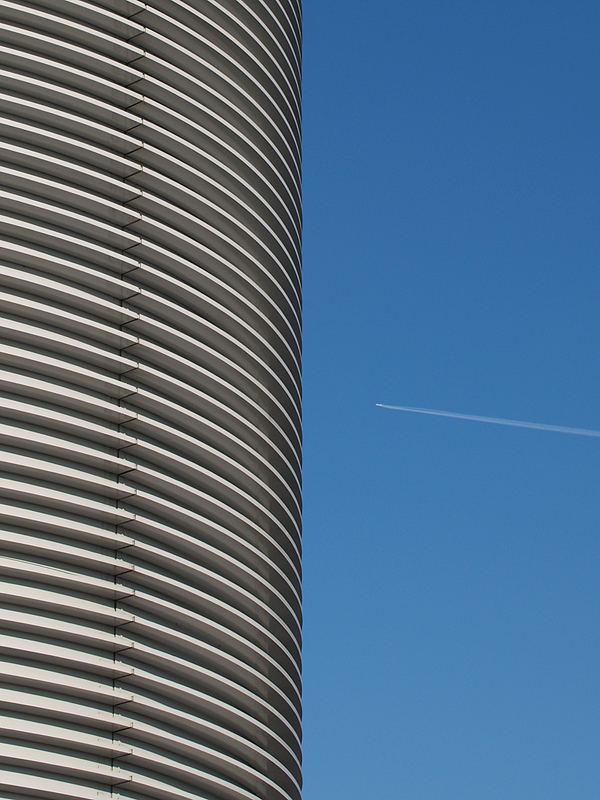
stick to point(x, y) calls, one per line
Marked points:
point(451, 250)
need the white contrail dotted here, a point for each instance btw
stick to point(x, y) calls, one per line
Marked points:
point(514, 423)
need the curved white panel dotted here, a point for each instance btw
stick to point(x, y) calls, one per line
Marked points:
point(150, 436)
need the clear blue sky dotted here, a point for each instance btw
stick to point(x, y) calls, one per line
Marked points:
point(451, 161)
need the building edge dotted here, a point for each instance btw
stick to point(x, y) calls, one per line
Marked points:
point(151, 372)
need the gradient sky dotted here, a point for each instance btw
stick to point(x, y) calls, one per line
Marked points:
point(451, 252)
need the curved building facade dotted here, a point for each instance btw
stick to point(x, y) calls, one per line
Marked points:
point(150, 438)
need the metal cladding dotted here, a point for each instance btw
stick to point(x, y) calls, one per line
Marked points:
point(150, 436)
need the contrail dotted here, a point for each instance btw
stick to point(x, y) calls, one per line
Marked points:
point(513, 423)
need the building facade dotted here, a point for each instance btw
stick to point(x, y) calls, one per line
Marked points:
point(150, 371)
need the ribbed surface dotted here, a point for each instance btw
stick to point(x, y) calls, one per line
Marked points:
point(150, 493)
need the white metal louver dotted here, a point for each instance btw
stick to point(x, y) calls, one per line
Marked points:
point(150, 431)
